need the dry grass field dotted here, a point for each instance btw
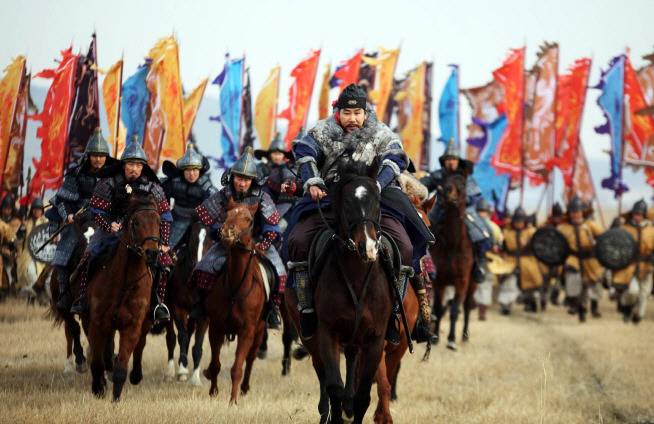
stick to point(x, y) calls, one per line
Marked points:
point(521, 369)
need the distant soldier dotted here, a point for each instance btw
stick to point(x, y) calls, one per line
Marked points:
point(29, 269)
point(484, 293)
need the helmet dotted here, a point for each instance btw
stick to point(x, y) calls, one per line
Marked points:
point(484, 206)
point(451, 151)
point(245, 165)
point(557, 210)
point(191, 159)
point(37, 203)
point(519, 214)
point(639, 207)
point(575, 205)
point(97, 144)
point(134, 152)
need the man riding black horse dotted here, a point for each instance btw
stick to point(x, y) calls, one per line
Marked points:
point(109, 205)
point(352, 132)
point(73, 196)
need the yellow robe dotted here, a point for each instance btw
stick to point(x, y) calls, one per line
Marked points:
point(588, 231)
point(530, 275)
point(623, 277)
point(7, 235)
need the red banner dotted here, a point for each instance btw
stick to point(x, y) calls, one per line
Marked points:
point(299, 96)
point(348, 71)
point(54, 119)
point(581, 180)
point(16, 153)
point(638, 128)
point(569, 109)
point(508, 157)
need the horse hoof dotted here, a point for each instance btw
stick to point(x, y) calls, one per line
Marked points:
point(451, 346)
point(169, 374)
point(213, 392)
point(82, 367)
point(182, 373)
point(98, 391)
point(261, 354)
point(69, 365)
point(466, 337)
point(195, 379)
point(245, 390)
point(300, 353)
point(347, 419)
point(108, 375)
point(135, 377)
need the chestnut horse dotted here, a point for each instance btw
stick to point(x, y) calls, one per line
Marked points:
point(454, 258)
point(119, 297)
point(353, 299)
point(235, 303)
point(180, 298)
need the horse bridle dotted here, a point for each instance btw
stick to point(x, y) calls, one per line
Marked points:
point(138, 248)
point(349, 243)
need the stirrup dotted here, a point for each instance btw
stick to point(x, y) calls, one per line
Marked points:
point(165, 309)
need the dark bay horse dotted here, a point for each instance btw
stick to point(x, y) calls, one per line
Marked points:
point(180, 298)
point(454, 258)
point(353, 299)
point(235, 303)
point(119, 298)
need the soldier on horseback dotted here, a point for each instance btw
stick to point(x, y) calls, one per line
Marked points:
point(241, 185)
point(109, 206)
point(452, 163)
point(189, 183)
point(71, 203)
point(353, 133)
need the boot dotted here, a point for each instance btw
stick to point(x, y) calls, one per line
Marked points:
point(65, 298)
point(160, 312)
point(393, 328)
point(482, 312)
point(581, 310)
point(422, 332)
point(554, 296)
point(594, 309)
point(81, 305)
point(304, 293)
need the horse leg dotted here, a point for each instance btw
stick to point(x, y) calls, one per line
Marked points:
point(330, 353)
point(97, 341)
point(129, 338)
point(136, 375)
point(382, 413)
point(467, 307)
point(323, 403)
point(367, 366)
point(252, 355)
point(244, 342)
point(169, 374)
point(78, 350)
point(439, 311)
point(200, 331)
point(393, 379)
point(454, 314)
point(350, 370)
point(287, 339)
point(216, 339)
point(263, 347)
point(68, 365)
point(183, 339)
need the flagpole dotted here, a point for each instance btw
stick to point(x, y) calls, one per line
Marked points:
point(590, 176)
point(313, 83)
point(118, 101)
point(622, 139)
point(458, 108)
point(276, 107)
point(551, 180)
point(522, 131)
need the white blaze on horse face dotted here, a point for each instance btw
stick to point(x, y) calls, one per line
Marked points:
point(201, 236)
point(360, 192)
point(371, 245)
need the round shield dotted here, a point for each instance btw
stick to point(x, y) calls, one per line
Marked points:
point(615, 249)
point(550, 246)
point(39, 235)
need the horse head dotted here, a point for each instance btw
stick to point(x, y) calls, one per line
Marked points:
point(357, 205)
point(237, 228)
point(454, 190)
point(142, 228)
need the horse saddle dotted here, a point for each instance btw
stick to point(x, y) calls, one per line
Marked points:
point(268, 274)
point(323, 241)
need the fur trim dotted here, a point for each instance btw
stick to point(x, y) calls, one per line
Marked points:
point(411, 186)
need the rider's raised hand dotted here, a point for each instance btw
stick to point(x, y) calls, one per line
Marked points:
point(115, 227)
point(316, 193)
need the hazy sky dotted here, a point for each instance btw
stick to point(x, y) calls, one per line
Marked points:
point(474, 34)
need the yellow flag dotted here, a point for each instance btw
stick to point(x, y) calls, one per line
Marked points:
point(191, 106)
point(165, 78)
point(111, 92)
point(265, 108)
point(385, 70)
point(323, 102)
point(412, 101)
point(9, 88)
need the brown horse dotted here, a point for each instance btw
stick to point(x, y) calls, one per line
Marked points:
point(180, 299)
point(454, 258)
point(119, 298)
point(353, 300)
point(235, 303)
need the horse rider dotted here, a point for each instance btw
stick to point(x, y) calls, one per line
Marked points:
point(241, 185)
point(582, 271)
point(484, 292)
point(189, 183)
point(74, 196)
point(279, 175)
point(352, 132)
point(109, 205)
point(452, 163)
point(633, 284)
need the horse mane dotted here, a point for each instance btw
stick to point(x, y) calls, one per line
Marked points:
point(139, 200)
point(348, 170)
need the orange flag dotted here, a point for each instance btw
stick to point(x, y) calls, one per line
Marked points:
point(385, 64)
point(111, 92)
point(191, 106)
point(299, 95)
point(165, 80)
point(9, 90)
point(265, 108)
point(154, 123)
point(323, 101)
point(412, 101)
point(15, 155)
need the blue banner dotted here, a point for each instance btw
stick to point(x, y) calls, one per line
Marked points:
point(134, 102)
point(448, 109)
point(230, 81)
point(494, 187)
point(611, 101)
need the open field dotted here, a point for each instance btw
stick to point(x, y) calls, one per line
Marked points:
point(521, 369)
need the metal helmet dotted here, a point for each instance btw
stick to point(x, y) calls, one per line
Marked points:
point(134, 152)
point(519, 214)
point(484, 206)
point(452, 150)
point(575, 205)
point(245, 165)
point(8, 201)
point(191, 159)
point(97, 144)
point(37, 203)
point(557, 210)
point(639, 207)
